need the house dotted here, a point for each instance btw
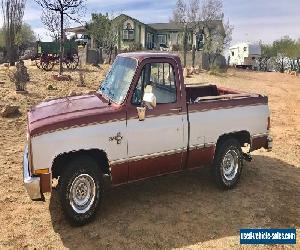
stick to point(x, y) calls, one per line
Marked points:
point(134, 34)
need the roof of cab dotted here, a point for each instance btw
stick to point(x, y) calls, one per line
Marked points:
point(140, 56)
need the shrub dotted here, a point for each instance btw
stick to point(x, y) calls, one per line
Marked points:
point(20, 77)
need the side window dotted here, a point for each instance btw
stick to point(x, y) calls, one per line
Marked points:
point(162, 79)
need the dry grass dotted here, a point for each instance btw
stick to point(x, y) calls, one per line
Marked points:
point(185, 210)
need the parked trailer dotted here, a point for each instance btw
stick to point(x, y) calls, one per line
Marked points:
point(244, 55)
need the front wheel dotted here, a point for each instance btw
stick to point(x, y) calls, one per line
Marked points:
point(81, 190)
point(228, 163)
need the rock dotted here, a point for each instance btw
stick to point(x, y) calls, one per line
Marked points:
point(185, 72)
point(50, 87)
point(197, 70)
point(294, 73)
point(192, 70)
point(62, 77)
point(10, 110)
point(72, 93)
point(106, 61)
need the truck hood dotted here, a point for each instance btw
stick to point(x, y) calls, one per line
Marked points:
point(69, 112)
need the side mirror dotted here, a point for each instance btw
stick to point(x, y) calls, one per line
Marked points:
point(149, 100)
point(141, 113)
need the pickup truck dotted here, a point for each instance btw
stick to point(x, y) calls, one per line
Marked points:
point(142, 122)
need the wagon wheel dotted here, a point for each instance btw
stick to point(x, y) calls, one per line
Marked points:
point(47, 66)
point(47, 63)
point(72, 62)
point(38, 62)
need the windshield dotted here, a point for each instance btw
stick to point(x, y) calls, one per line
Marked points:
point(118, 80)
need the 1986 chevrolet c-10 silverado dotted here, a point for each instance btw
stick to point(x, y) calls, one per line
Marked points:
point(142, 122)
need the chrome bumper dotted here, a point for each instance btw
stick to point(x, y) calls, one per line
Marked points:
point(270, 143)
point(32, 184)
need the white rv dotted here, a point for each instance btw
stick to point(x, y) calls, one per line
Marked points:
point(244, 55)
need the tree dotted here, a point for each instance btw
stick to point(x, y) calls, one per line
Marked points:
point(216, 38)
point(2, 38)
point(267, 52)
point(64, 8)
point(51, 21)
point(105, 30)
point(184, 15)
point(284, 52)
point(205, 18)
point(282, 48)
point(25, 37)
point(13, 12)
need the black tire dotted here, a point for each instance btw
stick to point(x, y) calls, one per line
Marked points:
point(231, 149)
point(78, 169)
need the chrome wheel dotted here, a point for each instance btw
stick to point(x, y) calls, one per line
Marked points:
point(82, 193)
point(230, 165)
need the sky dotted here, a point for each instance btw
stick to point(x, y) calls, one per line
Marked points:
point(253, 20)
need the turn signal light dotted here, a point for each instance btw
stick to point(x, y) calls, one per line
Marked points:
point(41, 171)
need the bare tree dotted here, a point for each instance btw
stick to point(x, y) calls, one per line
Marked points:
point(180, 12)
point(64, 8)
point(185, 14)
point(180, 16)
point(13, 12)
point(51, 21)
point(217, 36)
point(205, 18)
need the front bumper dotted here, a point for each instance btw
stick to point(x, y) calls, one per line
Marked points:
point(269, 143)
point(31, 183)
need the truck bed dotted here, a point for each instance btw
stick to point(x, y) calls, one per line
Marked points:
point(198, 93)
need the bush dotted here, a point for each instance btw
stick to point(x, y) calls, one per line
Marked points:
point(135, 46)
point(216, 69)
point(20, 77)
point(176, 47)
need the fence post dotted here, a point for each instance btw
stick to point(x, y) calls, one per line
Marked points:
point(101, 55)
point(193, 56)
point(115, 52)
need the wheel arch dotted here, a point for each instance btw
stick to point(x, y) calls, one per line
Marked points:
point(242, 137)
point(98, 155)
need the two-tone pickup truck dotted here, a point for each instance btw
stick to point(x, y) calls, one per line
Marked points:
point(143, 122)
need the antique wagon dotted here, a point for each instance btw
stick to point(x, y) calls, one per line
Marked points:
point(47, 55)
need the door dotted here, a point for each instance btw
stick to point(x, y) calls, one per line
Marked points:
point(155, 145)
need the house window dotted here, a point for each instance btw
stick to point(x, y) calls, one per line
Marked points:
point(232, 53)
point(245, 49)
point(162, 39)
point(199, 41)
point(128, 34)
point(150, 41)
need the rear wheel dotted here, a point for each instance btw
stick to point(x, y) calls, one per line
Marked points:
point(228, 163)
point(81, 190)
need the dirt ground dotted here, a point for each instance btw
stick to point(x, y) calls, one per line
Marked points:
point(178, 211)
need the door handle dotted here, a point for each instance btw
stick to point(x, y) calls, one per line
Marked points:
point(179, 109)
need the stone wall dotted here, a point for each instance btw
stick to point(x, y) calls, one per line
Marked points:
point(201, 59)
point(97, 56)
